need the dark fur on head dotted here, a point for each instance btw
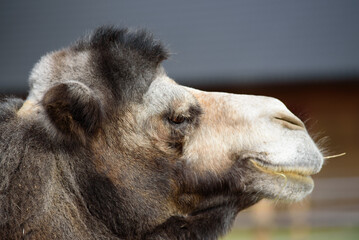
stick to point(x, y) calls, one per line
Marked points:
point(123, 57)
point(105, 38)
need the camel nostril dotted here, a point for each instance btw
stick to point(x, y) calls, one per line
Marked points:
point(290, 121)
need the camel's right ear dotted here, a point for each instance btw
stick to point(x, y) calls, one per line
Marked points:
point(73, 109)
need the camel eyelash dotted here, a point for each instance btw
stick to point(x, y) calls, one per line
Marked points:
point(179, 119)
point(190, 115)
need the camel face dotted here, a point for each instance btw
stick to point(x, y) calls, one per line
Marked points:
point(220, 129)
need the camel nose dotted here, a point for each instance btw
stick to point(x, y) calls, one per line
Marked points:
point(289, 120)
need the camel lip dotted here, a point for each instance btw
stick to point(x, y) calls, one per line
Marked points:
point(292, 171)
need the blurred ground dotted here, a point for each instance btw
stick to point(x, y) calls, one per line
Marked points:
point(285, 234)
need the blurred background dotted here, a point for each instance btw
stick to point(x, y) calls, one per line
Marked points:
point(305, 53)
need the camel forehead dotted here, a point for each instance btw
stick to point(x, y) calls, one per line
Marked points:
point(164, 89)
point(165, 94)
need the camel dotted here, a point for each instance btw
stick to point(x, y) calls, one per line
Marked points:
point(107, 146)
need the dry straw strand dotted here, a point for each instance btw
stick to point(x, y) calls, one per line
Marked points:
point(335, 156)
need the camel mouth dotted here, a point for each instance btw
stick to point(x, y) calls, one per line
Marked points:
point(282, 183)
point(292, 172)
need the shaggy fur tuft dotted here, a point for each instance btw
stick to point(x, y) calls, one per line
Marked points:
point(111, 38)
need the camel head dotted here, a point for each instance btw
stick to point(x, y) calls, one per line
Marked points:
point(169, 156)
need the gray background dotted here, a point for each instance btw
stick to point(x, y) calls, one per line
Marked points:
point(213, 42)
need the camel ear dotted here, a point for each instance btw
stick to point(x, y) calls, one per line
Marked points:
point(73, 109)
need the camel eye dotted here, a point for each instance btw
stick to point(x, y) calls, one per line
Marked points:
point(177, 119)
